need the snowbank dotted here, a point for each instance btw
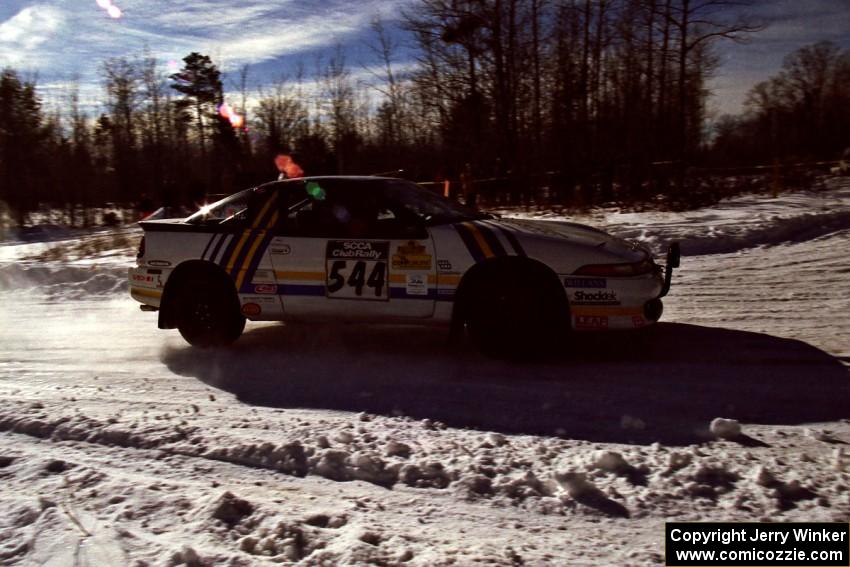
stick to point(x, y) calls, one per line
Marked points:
point(732, 225)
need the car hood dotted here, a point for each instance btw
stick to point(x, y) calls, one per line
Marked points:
point(576, 234)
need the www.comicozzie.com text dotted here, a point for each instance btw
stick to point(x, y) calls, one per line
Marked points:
point(727, 536)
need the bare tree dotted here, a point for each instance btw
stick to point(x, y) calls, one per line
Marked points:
point(122, 80)
point(698, 23)
point(280, 115)
point(389, 84)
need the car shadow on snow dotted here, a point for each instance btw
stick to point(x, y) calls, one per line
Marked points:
point(663, 384)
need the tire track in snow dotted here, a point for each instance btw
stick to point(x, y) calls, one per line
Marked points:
point(792, 290)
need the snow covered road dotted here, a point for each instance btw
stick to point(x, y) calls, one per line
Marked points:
point(121, 445)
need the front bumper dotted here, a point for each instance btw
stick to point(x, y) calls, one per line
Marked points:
point(611, 303)
point(620, 303)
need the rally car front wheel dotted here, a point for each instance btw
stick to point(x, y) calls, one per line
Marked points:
point(208, 314)
point(515, 314)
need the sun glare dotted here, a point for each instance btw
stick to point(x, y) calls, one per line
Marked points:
point(227, 112)
point(111, 9)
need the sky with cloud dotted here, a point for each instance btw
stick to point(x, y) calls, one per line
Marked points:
point(789, 25)
point(62, 40)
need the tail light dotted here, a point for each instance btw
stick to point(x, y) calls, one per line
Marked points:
point(141, 251)
point(645, 266)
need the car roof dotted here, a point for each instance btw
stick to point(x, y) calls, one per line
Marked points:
point(333, 179)
point(354, 178)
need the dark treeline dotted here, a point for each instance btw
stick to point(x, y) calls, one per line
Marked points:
point(593, 99)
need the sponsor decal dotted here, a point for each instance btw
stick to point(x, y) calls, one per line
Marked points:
point(142, 278)
point(591, 322)
point(586, 282)
point(595, 298)
point(638, 321)
point(357, 269)
point(416, 284)
point(266, 300)
point(357, 250)
point(251, 310)
point(444, 265)
point(282, 250)
point(265, 288)
point(160, 263)
point(411, 256)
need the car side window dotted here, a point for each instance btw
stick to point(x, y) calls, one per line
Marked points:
point(337, 210)
point(256, 206)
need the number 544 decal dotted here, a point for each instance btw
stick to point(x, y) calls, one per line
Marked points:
point(357, 269)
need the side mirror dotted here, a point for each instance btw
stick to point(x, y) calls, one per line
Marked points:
point(674, 255)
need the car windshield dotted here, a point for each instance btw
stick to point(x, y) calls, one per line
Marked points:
point(431, 207)
point(234, 206)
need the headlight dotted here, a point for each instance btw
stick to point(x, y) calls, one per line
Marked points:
point(645, 266)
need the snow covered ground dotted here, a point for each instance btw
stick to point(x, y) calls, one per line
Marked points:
point(320, 445)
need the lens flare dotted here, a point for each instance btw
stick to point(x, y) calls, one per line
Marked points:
point(114, 11)
point(105, 4)
point(224, 110)
point(227, 112)
point(315, 190)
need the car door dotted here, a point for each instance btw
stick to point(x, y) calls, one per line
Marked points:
point(344, 253)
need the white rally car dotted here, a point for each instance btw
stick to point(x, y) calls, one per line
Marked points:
point(385, 250)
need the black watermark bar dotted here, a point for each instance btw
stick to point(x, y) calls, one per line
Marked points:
point(752, 544)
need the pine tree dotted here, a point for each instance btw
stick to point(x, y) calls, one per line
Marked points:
point(200, 81)
point(21, 134)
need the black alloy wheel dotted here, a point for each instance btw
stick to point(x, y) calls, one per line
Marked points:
point(208, 314)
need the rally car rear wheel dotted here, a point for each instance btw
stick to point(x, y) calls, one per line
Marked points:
point(208, 314)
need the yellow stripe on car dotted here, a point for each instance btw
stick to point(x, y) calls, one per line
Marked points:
point(264, 210)
point(232, 260)
point(479, 239)
point(394, 278)
point(250, 256)
point(446, 279)
point(238, 249)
